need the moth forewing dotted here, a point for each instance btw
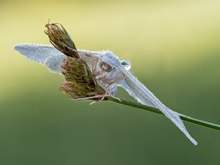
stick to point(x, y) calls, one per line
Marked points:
point(143, 95)
point(43, 54)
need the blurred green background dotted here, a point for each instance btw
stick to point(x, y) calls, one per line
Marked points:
point(174, 49)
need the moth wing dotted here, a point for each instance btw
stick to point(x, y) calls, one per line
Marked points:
point(143, 95)
point(43, 54)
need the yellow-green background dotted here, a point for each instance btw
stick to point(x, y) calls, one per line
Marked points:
point(174, 47)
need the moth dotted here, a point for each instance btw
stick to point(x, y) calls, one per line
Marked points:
point(92, 74)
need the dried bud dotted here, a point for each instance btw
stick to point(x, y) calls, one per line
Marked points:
point(61, 40)
point(79, 82)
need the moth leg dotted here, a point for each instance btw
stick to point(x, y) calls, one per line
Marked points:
point(93, 59)
point(85, 68)
point(101, 96)
point(104, 97)
point(114, 80)
point(94, 62)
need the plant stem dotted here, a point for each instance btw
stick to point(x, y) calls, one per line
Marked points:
point(155, 110)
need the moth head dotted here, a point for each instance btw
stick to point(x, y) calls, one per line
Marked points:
point(105, 66)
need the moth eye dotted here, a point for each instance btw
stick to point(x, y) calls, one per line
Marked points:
point(126, 64)
point(106, 67)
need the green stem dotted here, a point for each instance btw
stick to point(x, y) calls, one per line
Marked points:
point(155, 110)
